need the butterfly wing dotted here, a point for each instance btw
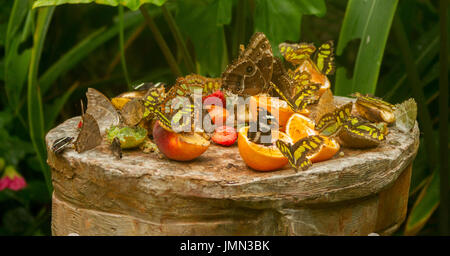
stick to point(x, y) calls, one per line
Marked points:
point(286, 150)
point(296, 53)
point(308, 95)
point(101, 108)
point(259, 51)
point(325, 58)
point(305, 147)
point(243, 77)
point(405, 115)
point(343, 112)
point(116, 149)
point(61, 144)
point(133, 112)
point(281, 78)
point(89, 136)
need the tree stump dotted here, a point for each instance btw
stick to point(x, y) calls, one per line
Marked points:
point(362, 192)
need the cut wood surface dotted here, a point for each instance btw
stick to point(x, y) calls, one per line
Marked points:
point(361, 192)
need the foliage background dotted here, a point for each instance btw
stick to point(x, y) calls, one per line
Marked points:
point(49, 56)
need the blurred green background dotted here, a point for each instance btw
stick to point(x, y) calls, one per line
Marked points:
point(50, 55)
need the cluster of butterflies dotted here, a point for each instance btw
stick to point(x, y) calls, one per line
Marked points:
point(255, 71)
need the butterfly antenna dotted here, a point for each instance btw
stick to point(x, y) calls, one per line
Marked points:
point(82, 108)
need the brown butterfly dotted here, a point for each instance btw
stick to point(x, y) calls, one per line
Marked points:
point(251, 73)
point(133, 112)
point(101, 109)
point(115, 148)
point(89, 136)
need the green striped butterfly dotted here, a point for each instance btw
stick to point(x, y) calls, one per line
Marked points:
point(297, 153)
point(306, 93)
point(330, 123)
point(324, 58)
point(296, 53)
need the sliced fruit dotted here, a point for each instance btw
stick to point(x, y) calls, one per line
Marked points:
point(260, 157)
point(129, 137)
point(179, 146)
point(218, 113)
point(224, 135)
point(273, 105)
point(327, 150)
point(316, 77)
point(122, 99)
point(299, 126)
point(218, 95)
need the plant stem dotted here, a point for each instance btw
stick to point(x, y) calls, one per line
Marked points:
point(122, 48)
point(413, 76)
point(179, 39)
point(135, 34)
point(34, 99)
point(239, 35)
point(161, 42)
point(443, 120)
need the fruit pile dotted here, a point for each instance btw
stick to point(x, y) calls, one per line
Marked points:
point(290, 116)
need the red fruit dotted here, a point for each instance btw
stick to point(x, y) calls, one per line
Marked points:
point(218, 95)
point(224, 135)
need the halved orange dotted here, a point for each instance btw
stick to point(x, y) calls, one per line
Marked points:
point(329, 148)
point(260, 157)
point(299, 126)
point(316, 76)
point(277, 107)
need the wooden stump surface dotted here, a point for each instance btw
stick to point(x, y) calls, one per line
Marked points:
point(361, 192)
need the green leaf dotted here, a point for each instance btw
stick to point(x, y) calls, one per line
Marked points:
point(424, 50)
point(12, 148)
point(132, 4)
point(281, 20)
point(369, 21)
point(52, 111)
point(209, 40)
point(224, 12)
point(83, 49)
point(425, 205)
point(16, 63)
point(122, 48)
point(35, 112)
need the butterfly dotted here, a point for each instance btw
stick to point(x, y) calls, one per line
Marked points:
point(192, 81)
point(260, 131)
point(89, 136)
point(133, 112)
point(374, 109)
point(166, 115)
point(360, 133)
point(296, 53)
point(322, 60)
point(297, 153)
point(306, 93)
point(251, 73)
point(116, 149)
point(101, 109)
point(61, 144)
point(406, 114)
point(330, 123)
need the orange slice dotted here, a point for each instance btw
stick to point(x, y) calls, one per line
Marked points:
point(260, 157)
point(299, 126)
point(326, 151)
point(316, 76)
point(277, 107)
